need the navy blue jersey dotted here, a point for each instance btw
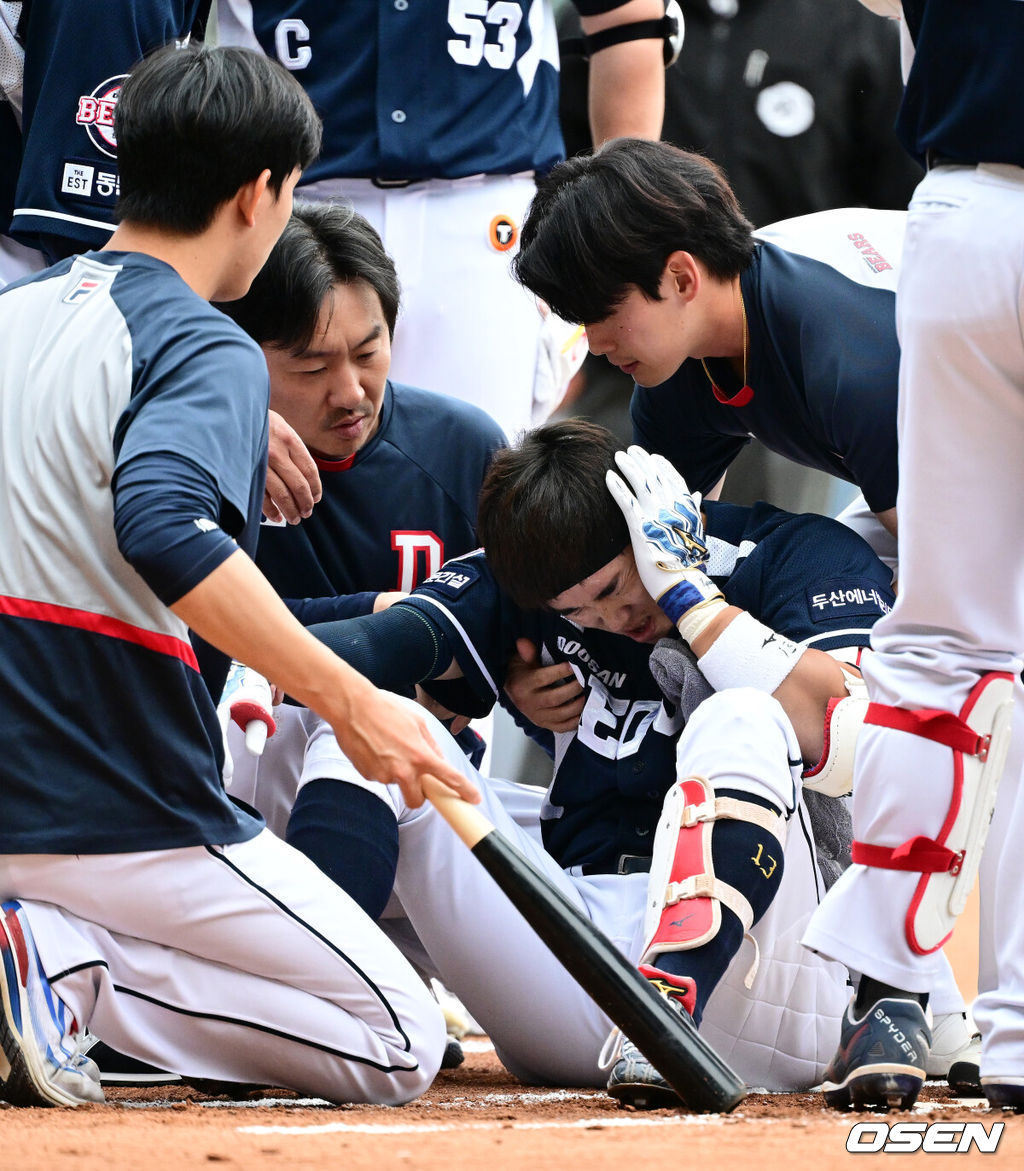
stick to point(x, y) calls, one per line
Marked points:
point(77, 55)
point(965, 91)
point(823, 361)
point(806, 576)
point(10, 161)
point(111, 739)
point(426, 89)
point(391, 515)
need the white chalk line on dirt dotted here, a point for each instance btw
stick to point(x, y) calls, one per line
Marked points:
point(437, 1127)
point(575, 1124)
point(481, 1102)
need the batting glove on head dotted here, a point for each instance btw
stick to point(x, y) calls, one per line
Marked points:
point(667, 535)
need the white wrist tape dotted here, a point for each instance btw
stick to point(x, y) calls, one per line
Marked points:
point(748, 654)
point(692, 621)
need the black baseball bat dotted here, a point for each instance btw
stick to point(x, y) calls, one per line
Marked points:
point(667, 1038)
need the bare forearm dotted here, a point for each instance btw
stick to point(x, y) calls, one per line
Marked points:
point(236, 610)
point(627, 80)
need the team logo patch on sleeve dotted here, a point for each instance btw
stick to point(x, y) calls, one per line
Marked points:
point(96, 113)
point(502, 233)
point(847, 598)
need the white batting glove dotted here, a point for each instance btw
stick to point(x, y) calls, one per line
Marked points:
point(667, 534)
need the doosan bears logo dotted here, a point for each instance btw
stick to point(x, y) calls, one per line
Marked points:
point(96, 114)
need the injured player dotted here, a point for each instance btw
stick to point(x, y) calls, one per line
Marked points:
point(713, 781)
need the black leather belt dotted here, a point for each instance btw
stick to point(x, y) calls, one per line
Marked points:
point(626, 864)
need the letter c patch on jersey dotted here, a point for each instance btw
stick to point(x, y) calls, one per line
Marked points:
point(503, 233)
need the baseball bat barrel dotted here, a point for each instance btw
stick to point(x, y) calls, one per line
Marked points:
point(666, 1037)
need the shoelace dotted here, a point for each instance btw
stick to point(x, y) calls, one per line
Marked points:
point(611, 1049)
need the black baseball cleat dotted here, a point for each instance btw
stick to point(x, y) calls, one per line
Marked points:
point(454, 1055)
point(1004, 1093)
point(633, 1081)
point(882, 1057)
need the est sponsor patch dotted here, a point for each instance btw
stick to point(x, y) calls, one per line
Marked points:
point(87, 182)
point(847, 598)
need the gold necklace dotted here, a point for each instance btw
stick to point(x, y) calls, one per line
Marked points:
point(745, 393)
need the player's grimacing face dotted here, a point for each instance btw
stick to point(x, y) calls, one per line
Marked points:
point(332, 392)
point(615, 599)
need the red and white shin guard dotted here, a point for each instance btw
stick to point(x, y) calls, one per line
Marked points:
point(684, 895)
point(948, 863)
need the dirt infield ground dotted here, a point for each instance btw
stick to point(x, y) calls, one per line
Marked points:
point(476, 1117)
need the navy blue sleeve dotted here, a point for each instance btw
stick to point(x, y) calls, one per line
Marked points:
point(814, 580)
point(166, 517)
point(77, 55)
point(480, 623)
point(395, 649)
point(333, 609)
point(201, 390)
point(856, 385)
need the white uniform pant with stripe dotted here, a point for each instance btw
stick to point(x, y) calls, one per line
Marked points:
point(779, 1033)
point(240, 963)
point(960, 608)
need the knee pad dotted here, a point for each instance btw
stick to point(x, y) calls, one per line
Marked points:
point(948, 864)
point(844, 718)
point(684, 895)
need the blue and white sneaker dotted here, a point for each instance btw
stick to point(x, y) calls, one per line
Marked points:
point(882, 1058)
point(41, 1062)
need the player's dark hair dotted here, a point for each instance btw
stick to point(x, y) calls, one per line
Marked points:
point(545, 518)
point(195, 124)
point(604, 223)
point(322, 245)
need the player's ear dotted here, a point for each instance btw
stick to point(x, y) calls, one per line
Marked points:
point(249, 195)
point(682, 275)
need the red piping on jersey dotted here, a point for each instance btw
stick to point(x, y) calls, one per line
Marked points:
point(164, 644)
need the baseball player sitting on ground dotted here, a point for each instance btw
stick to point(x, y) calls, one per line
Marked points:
point(787, 334)
point(806, 574)
point(138, 901)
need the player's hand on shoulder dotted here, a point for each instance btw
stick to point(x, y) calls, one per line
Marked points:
point(293, 482)
point(550, 697)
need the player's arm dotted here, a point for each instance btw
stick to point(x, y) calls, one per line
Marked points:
point(627, 79)
point(166, 516)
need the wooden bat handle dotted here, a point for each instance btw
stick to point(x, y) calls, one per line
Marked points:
point(467, 820)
